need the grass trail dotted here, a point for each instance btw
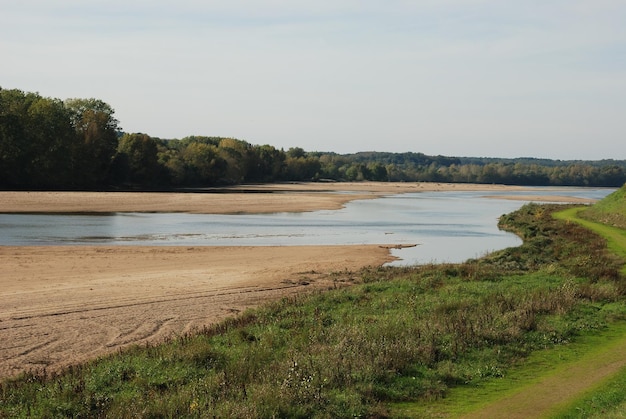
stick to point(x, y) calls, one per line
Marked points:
point(544, 384)
point(616, 237)
point(558, 388)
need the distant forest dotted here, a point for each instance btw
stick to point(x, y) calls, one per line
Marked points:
point(77, 144)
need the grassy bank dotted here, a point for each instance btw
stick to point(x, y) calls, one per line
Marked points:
point(614, 236)
point(610, 211)
point(527, 382)
point(607, 399)
point(403, 335)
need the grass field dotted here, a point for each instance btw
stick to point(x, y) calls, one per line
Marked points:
point(426, 341)
point(610, 211)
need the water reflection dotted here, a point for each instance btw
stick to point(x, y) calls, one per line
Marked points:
point(444, 226)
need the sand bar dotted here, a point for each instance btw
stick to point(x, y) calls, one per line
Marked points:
point(288, 197)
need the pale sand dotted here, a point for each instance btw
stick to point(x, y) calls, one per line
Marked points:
point(64, 305)
point(288, 197)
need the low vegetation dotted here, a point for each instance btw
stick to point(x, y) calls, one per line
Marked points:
point(610, 211)
point(400, 335)
point(560, 372)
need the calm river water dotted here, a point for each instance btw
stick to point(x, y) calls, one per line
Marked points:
point(445, 226)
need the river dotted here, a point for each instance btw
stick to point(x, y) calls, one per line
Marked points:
point(440, 226)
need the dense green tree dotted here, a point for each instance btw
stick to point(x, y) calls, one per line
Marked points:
point(35, 141)
point(302, 168)
point(47, 143)
point(296, 152)
point(174, 165)
point(377, 172)
point(203, 165)
point(265, 164)
point(50, 138)
point(214, 141)
point(330, 165)
point(611, 175)
point(139, 151)
point(14, 144)
point(236, 154)
point(97, 139)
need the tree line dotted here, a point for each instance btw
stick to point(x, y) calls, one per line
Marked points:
point(48, 143)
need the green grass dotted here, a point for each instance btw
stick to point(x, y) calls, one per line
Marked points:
point(403, 337)
point(607, 399)
point(538, 366)
point(615, 236)
point(610, 211)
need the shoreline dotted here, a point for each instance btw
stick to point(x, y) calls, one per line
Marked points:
point(63, 305)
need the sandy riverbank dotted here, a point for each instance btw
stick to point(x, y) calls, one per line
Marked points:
point(63, 305)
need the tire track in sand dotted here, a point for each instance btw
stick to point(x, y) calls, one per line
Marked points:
point(63, 305)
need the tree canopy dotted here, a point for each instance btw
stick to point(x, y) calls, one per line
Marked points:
point(47, 143)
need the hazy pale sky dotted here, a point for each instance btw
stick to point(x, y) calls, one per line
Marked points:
point(453, 77)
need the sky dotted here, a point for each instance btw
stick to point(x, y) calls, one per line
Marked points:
point(472, 78)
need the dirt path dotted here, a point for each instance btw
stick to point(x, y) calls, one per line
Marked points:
point(558, 387)
point(64, 305)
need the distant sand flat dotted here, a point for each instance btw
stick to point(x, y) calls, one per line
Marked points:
point(288, 197)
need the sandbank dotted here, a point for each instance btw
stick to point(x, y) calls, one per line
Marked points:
point(287, 197)
point(64, 305)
